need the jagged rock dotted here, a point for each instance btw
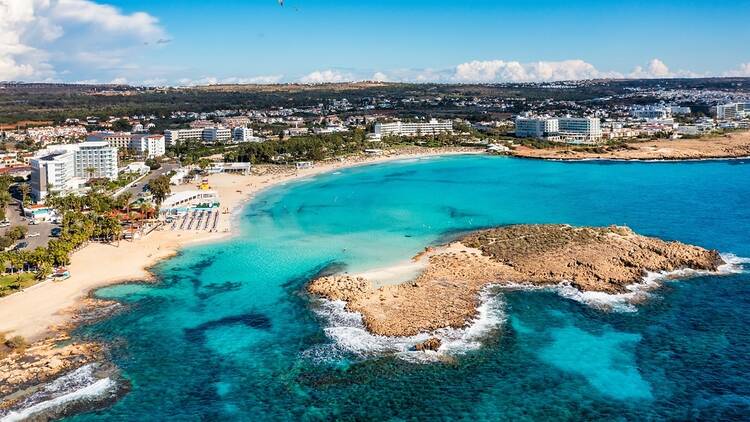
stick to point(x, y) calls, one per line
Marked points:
point(446, 292)
point(432, 343)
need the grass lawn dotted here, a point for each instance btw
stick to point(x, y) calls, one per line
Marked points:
point(11, 283)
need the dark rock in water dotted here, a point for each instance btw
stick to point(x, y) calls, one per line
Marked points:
point(432, 343)
point(252, 319)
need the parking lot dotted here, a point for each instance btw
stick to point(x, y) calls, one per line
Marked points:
point(38, 235)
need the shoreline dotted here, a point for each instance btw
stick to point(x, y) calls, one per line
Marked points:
point(721, 147)
point(594, 261)
point(44, 309)
point(631, 160)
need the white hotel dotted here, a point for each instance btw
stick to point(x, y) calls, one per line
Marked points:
point(433, 127)
point(575, 130)
point(733, 111)
point(148, 146)
point(67, 167)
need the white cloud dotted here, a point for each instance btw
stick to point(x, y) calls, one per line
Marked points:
point(119, 81)
point(380, 77)
point(213, 80)
point(38, 37)
point(742, 71)
point(326, 76)
point(513, 71)
point(655, 69)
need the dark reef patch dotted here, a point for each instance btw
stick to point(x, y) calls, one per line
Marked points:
point(218, 288)
point(251, 319)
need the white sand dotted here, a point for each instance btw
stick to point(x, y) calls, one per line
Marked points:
point(36, 312)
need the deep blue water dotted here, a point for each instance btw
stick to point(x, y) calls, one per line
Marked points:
point(229, 333)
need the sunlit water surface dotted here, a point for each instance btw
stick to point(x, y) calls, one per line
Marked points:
point(229, 333)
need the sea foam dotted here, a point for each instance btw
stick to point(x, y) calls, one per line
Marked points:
point(349, 335)
point(639, 292)
point(79, 385)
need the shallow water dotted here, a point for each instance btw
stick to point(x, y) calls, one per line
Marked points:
point(230, 333)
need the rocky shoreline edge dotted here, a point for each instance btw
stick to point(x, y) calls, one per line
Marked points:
point(55, 376)
point(446, 293)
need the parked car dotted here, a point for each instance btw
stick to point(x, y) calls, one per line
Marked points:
point(33, 235)
point(56, 232)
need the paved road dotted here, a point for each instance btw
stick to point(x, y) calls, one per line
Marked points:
point(138, 188)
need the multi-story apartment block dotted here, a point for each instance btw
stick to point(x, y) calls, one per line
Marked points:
point(536, 127)
point(172, 136)
point(243, 134)
point(216, 134)
point(580, 129)
point(651, 112)
point(733, 111)
point(399, 128)
point(67, 167)
point(148, 146)
point(566, 129)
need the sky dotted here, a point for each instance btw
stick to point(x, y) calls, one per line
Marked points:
point(190, 42)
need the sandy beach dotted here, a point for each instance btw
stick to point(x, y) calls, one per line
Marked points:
point(42, 310)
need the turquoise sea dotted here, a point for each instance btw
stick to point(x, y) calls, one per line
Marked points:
point(229, 333)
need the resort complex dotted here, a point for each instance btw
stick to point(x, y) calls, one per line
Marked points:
point(419, 219)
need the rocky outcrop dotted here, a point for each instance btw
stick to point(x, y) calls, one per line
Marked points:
point(734, 145)
point(432, 343)
point(446, 293)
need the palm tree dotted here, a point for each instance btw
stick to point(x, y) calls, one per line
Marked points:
point(160, 189)
point(90, 171)
point(43, 271)
point(5, 199)
point(25, 190)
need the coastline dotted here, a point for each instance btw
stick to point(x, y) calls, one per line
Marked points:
point(734, 146)
point(43, 310)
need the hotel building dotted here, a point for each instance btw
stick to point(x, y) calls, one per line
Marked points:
point(536, 127)
point(147, 146)
point(580, 129)
point(216, 134)
point(433, 127)
point(67, 167)
point(733, 111)
point(172, 136)
point(566, 129)
point(243, 134)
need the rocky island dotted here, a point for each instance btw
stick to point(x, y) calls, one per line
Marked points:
point(446, 293)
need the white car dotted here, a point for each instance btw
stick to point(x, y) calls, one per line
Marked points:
point(33, 235)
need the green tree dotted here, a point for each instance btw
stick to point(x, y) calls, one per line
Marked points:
point(160, 189)
point(121, 125)
point(25, 189)
point(43, 271)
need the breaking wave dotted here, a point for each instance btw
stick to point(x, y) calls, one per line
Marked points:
point(81, 385)
point(350, 337)
point(639, 292)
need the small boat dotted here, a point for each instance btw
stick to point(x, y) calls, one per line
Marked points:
point(61, 274)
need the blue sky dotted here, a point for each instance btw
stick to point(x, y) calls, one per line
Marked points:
point(191, 41)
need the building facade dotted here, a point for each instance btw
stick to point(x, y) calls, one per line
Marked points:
point(536, 127)
point(733, 111)
point(243, 134)
point(216, 134)
point(432, 127)
point(565, 129)
point(651, 112)
point(172, 136)
point(67, 167)
point(147, 146)
point(580, 129)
